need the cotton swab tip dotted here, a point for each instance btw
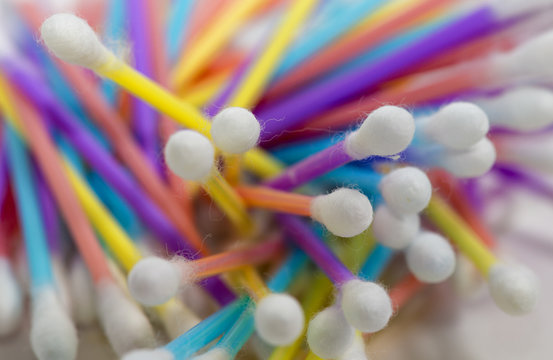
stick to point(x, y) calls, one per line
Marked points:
point(406, 190)
point(190, 155)
point(279, 319)
point(386, 131)
point(366, 305)
point(329, 334)
point(394, 231)
point(345, 212)
point(458, 125)
point(126, 326)
point(149, 354)
point(214, 354)
point(514, 288)
point(430, 258)
point(526, 108)
point(235, 130)
point(11, 301)
point(473, 162)
point(153, 281)
point(82, 293)
point(71, 39)
point(53, 335)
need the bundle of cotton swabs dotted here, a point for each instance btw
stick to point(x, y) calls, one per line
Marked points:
point(193, 174)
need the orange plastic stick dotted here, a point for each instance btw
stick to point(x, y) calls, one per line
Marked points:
point(267, 198)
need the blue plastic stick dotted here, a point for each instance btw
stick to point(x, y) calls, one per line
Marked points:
point(177, 27)
point(114, 32)
point(376, 263)
point(34, 235)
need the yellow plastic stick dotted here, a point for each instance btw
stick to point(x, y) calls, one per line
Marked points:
point(251, 87)
point(460, 233)
point(213, 40)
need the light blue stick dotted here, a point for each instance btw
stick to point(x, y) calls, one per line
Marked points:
point(177, 27)
point(34, 235)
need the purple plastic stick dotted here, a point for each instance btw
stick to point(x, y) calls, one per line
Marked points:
point(523, 178)
point(306, 240)
point(110, 170)
point(311, 167)
point(293, 111)
point(49, 212)
point(145, 120)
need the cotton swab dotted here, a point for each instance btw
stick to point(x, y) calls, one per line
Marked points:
point(95, 56)
point(329, 334)
point(53, 335)
point(430, 258)
point(386, 131)
point(458, 126)
point(513, 287)
point(392, 230)
point(524, 108)
point(81, 289)
point(154, 280)
point(115, 310)
point(345, 212)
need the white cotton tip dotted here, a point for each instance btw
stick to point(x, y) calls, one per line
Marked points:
point(177, 318)
point(345, 212)
point(190, 155)
point(366, 305)
point(458, 125)
point(386, 131)
point(394, 231)
point(126, 326)
point(71, 39)
point(149, 354)
point(11, 300)
point(153, 281)
point(279, 319)
point(531, 59)
point(430, 257)
point(82, 292)
point(53, 335)
point(329, 334)
point(406, 190)
point(526, 108)
point(514, 288)
point(356, 351)
point(235, 130)
point(214, 354)
point(474, 162)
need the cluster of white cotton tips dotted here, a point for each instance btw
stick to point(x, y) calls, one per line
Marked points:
point(406, 190)
point(279, 319)
point(386, 131)
point(53, 335)
point(472, 162)
point(11, 301)
point(153, 281)
point(392, 230)
point(71, 39)
point(344, 212)
point(430, 257)
point(526, 108)
point(458, 125)
point(189, 155)
point(235, 130)
point(513, 288)
point(126, 326)
point(149, 354)
point(329, 334)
